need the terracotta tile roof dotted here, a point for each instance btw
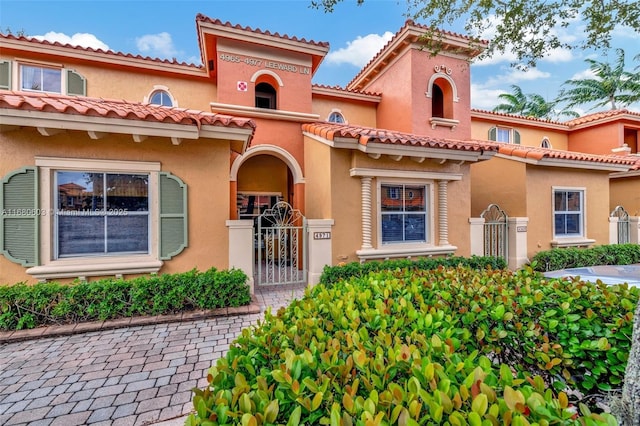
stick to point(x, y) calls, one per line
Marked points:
point(111, 108)
point(516, 116)
point(342, 89)
point(409, 24)
point(602, 115)
point(203, 18)
point(89, 49)
point(536, 153)
point(366, 135)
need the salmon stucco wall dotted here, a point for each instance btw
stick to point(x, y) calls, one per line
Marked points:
point(598, 139)
point(529, 136)
point(499, 181)
point(540, 183)
point(263, 173)
point(202, 164)
point(362, 114)
point(318, 203)
point(625, 192)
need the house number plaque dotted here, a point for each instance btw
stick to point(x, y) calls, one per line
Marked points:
point(322, 235)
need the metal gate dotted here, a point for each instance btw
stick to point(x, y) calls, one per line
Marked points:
point(624, 225)
point(496, 237)
point(281, 245)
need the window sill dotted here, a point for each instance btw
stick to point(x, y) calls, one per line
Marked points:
point(387, 253)
point(572, 242)
point(95, 267)
point(443, 122)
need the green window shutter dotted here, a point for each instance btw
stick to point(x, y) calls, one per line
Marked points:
point(493, 133)
point(76, 84)
point(19, 216)
point(173, 215)
point(516, 137)
point(5, 75)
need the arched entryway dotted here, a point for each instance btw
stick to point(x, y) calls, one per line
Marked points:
point(266, 176)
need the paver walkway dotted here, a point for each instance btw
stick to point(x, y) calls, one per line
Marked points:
point(128, 376)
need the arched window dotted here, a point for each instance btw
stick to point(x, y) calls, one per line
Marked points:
point(336, 117)
point(441, 99)
point(437, 102)
point(161, 97)
point(546, 143)
point(265, 96)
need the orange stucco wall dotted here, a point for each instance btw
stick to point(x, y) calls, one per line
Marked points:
point(597, 140)
point(625, 192)
point(529, 136)
point(263, 173)
point(202, 164)
point(354, 112)
point(499, 181)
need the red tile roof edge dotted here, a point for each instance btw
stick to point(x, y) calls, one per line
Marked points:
point(204, 18)
point(116, 108)
point(601, 115)
point(367, 135)
point(538, 153)
point(522, 117)
point(101, 51)
point(342, 89)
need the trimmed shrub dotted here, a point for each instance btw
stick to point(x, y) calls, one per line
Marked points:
point(562, 258)
point(29, 306)
point(333, 274)
point(449, 346)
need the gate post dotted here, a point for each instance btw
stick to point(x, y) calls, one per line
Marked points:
point(634, 229)
point(613, 230)
point(241, 248)
point(517, 255)
point(319, 247)
point(476, 231)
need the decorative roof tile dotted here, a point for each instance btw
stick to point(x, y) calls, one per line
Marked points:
point(203, 18)
point(90, 49)
point(537, 153)
point(111, 108)
point(516, 116)
point(367, 135)
point(601, 115)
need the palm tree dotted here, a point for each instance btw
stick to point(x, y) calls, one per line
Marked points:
point(530, 105)
point(611, 84)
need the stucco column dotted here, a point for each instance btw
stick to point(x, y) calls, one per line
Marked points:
point(233, 199)
point(366, 212)
point(476, 231)
point(319, 243)
point(443, 213)
point(613, 230)
point(634, 229)
point(241, 247)
point(298, 197)
point(517, 242)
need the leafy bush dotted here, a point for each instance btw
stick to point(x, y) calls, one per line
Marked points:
point(333, 274)
point(449, 346)
point(28, 306)
point(562, 258)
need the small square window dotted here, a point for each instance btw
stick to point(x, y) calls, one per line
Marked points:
point(568, 213)
point(40, 79)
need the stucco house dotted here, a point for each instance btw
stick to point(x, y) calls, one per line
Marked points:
point(117, 165)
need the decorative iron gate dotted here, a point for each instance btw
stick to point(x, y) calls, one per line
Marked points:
point(496, 237)
point(281, 245)
point(624, 225)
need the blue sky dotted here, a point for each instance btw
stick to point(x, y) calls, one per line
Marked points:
point(166, 29)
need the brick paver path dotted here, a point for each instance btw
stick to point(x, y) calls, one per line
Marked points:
point(127, 376)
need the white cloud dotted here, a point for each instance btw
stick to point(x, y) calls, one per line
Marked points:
point(160, 45)
point(359, 51)
point(583, 75)
point(78, 39)
point(483, 97)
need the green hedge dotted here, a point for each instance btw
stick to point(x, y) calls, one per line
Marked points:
point(562, 258)
point(449, 346)
point(29, 306)
point(333, 274)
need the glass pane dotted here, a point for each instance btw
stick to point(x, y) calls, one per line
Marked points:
point(573, 223)
point(573, 201)
point(414, 198)
point(80, 235)
point(390, 199)
point(391, 228)
point(161, 98)
point(559, 224)
point(414, 227)
point(127, 193)
point(560, 201)
point(503, 135)
point(80, 191)
point(51, 80)
point(128, 233)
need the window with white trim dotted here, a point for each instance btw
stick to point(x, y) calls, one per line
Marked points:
point(504, 134)
point(336, 117)
point(568, 212)
point(99, 214)
point(545, 143)
point(43, 78)
point(404, 213)
point(161, 97)
point(40, 79)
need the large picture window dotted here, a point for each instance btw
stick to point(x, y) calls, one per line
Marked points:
point(568, 212)
point(403, 210)
point(98, 213)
